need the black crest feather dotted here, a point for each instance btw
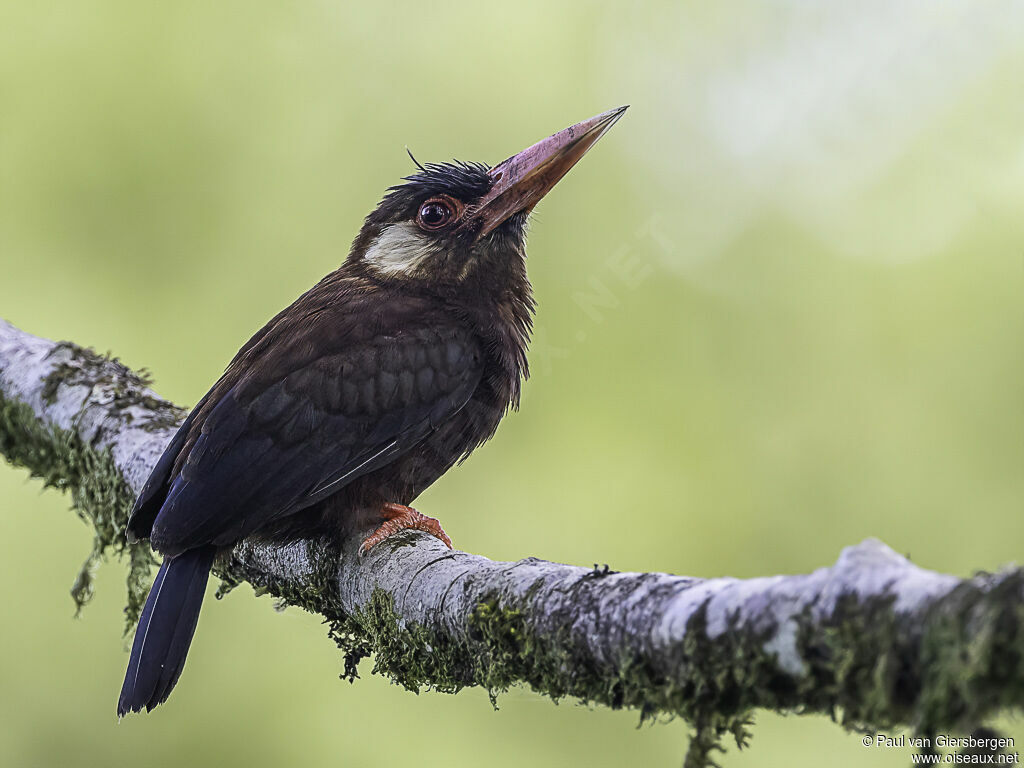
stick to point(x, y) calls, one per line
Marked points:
point(467, 181)
point(415, 162)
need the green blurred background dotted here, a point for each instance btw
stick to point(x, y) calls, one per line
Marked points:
point(780, 311)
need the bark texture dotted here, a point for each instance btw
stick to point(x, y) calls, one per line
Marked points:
point(873, 640)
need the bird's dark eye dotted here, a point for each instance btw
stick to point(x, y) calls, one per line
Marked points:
point(437, 212)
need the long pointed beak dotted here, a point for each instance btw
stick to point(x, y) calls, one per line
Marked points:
point(522, 180)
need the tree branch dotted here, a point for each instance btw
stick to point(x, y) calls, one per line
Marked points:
point(873, 640)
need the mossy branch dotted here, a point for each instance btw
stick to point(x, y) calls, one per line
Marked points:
point(874, 641)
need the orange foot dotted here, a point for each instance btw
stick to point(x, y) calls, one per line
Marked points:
point(398, 517)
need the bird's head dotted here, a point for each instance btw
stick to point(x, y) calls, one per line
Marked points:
point(458, 226)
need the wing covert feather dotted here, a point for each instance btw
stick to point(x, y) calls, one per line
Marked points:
point(283, 437)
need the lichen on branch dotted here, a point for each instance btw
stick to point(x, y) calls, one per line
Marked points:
point(873, 641)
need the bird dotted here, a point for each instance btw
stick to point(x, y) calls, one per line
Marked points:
point(346, 405)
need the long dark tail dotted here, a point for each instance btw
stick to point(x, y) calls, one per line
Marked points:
point(165, 630)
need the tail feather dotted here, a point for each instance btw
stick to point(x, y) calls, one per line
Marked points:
point(165, 630)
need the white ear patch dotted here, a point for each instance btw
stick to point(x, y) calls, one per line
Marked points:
point(399, 248)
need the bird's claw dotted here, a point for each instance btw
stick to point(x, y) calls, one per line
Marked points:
point(398, 517)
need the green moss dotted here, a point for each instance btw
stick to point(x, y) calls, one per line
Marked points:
point(972, 650)
point(317, 594)
point(501, 650)
point(98, 492)
point(83, 367)
point(946, 672)
point(854, 664)
point(865, 666)
point(715, 684)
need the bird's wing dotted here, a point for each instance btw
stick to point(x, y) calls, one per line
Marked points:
point(284, 435)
